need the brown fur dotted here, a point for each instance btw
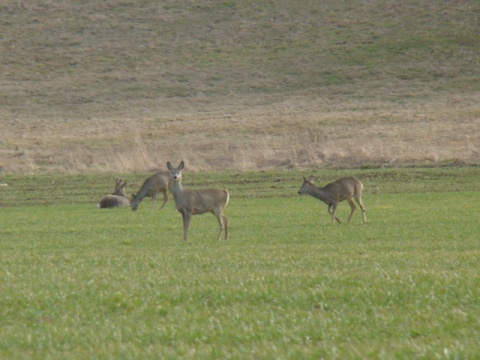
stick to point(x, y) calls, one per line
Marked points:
point(346, 188)
point(157, 183)
point(192, 202)
point(117, 199)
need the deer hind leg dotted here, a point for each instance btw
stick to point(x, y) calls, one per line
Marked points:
point(360, 203)
point(165, 199)
point(332, 209)
point(353, 207)
point(154, 199)
point(223, 223)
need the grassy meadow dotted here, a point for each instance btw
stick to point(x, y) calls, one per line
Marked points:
point(78, 282)
point(252, 95)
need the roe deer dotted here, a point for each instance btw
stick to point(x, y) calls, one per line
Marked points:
point(191, 202)
point(157, 183)
point(118, 197)
point(343, 189)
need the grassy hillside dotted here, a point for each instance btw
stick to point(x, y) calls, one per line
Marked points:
point(126, 85)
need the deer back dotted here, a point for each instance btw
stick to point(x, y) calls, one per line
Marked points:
point(111, 201)
point(155, 183)
point(201, 201)
point(338, 190)
point(160, 180)
point(347, 187)
point(118, 198)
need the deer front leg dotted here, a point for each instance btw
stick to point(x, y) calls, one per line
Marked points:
point(332, 209)
point(186, 222)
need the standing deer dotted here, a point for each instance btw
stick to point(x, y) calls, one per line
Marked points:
point(157, 183)
point(117, 199)
point(343, 189)
point(192, 202)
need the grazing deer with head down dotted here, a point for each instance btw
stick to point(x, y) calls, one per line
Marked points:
point(117, 199)
point(331, 194)
point(157, 183)
point(192, 202)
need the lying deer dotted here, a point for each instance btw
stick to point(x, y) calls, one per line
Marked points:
point(117, 199)
point(157, 183)
point(333, 193)
point(192, 202)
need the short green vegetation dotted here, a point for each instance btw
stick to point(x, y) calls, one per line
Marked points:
point(77, 282)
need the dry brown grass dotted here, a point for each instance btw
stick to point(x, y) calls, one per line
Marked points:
point(125, 86)
point(292, 134)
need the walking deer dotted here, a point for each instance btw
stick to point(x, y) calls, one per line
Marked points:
point(117, 199)
point(331, 194)
point(157, 183)
point(192, 202)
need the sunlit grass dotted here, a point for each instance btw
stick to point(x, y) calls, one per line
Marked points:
point(79, 282)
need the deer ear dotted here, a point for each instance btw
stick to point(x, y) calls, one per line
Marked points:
point(169, 166)
point(311, 178)
point(307, 181)
point(181, 166)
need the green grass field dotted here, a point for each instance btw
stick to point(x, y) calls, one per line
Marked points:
point(77, 282)
point(250, 94)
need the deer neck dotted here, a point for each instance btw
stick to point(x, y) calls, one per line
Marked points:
point(177, 188)
point(320, 194)
point(143, 190)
